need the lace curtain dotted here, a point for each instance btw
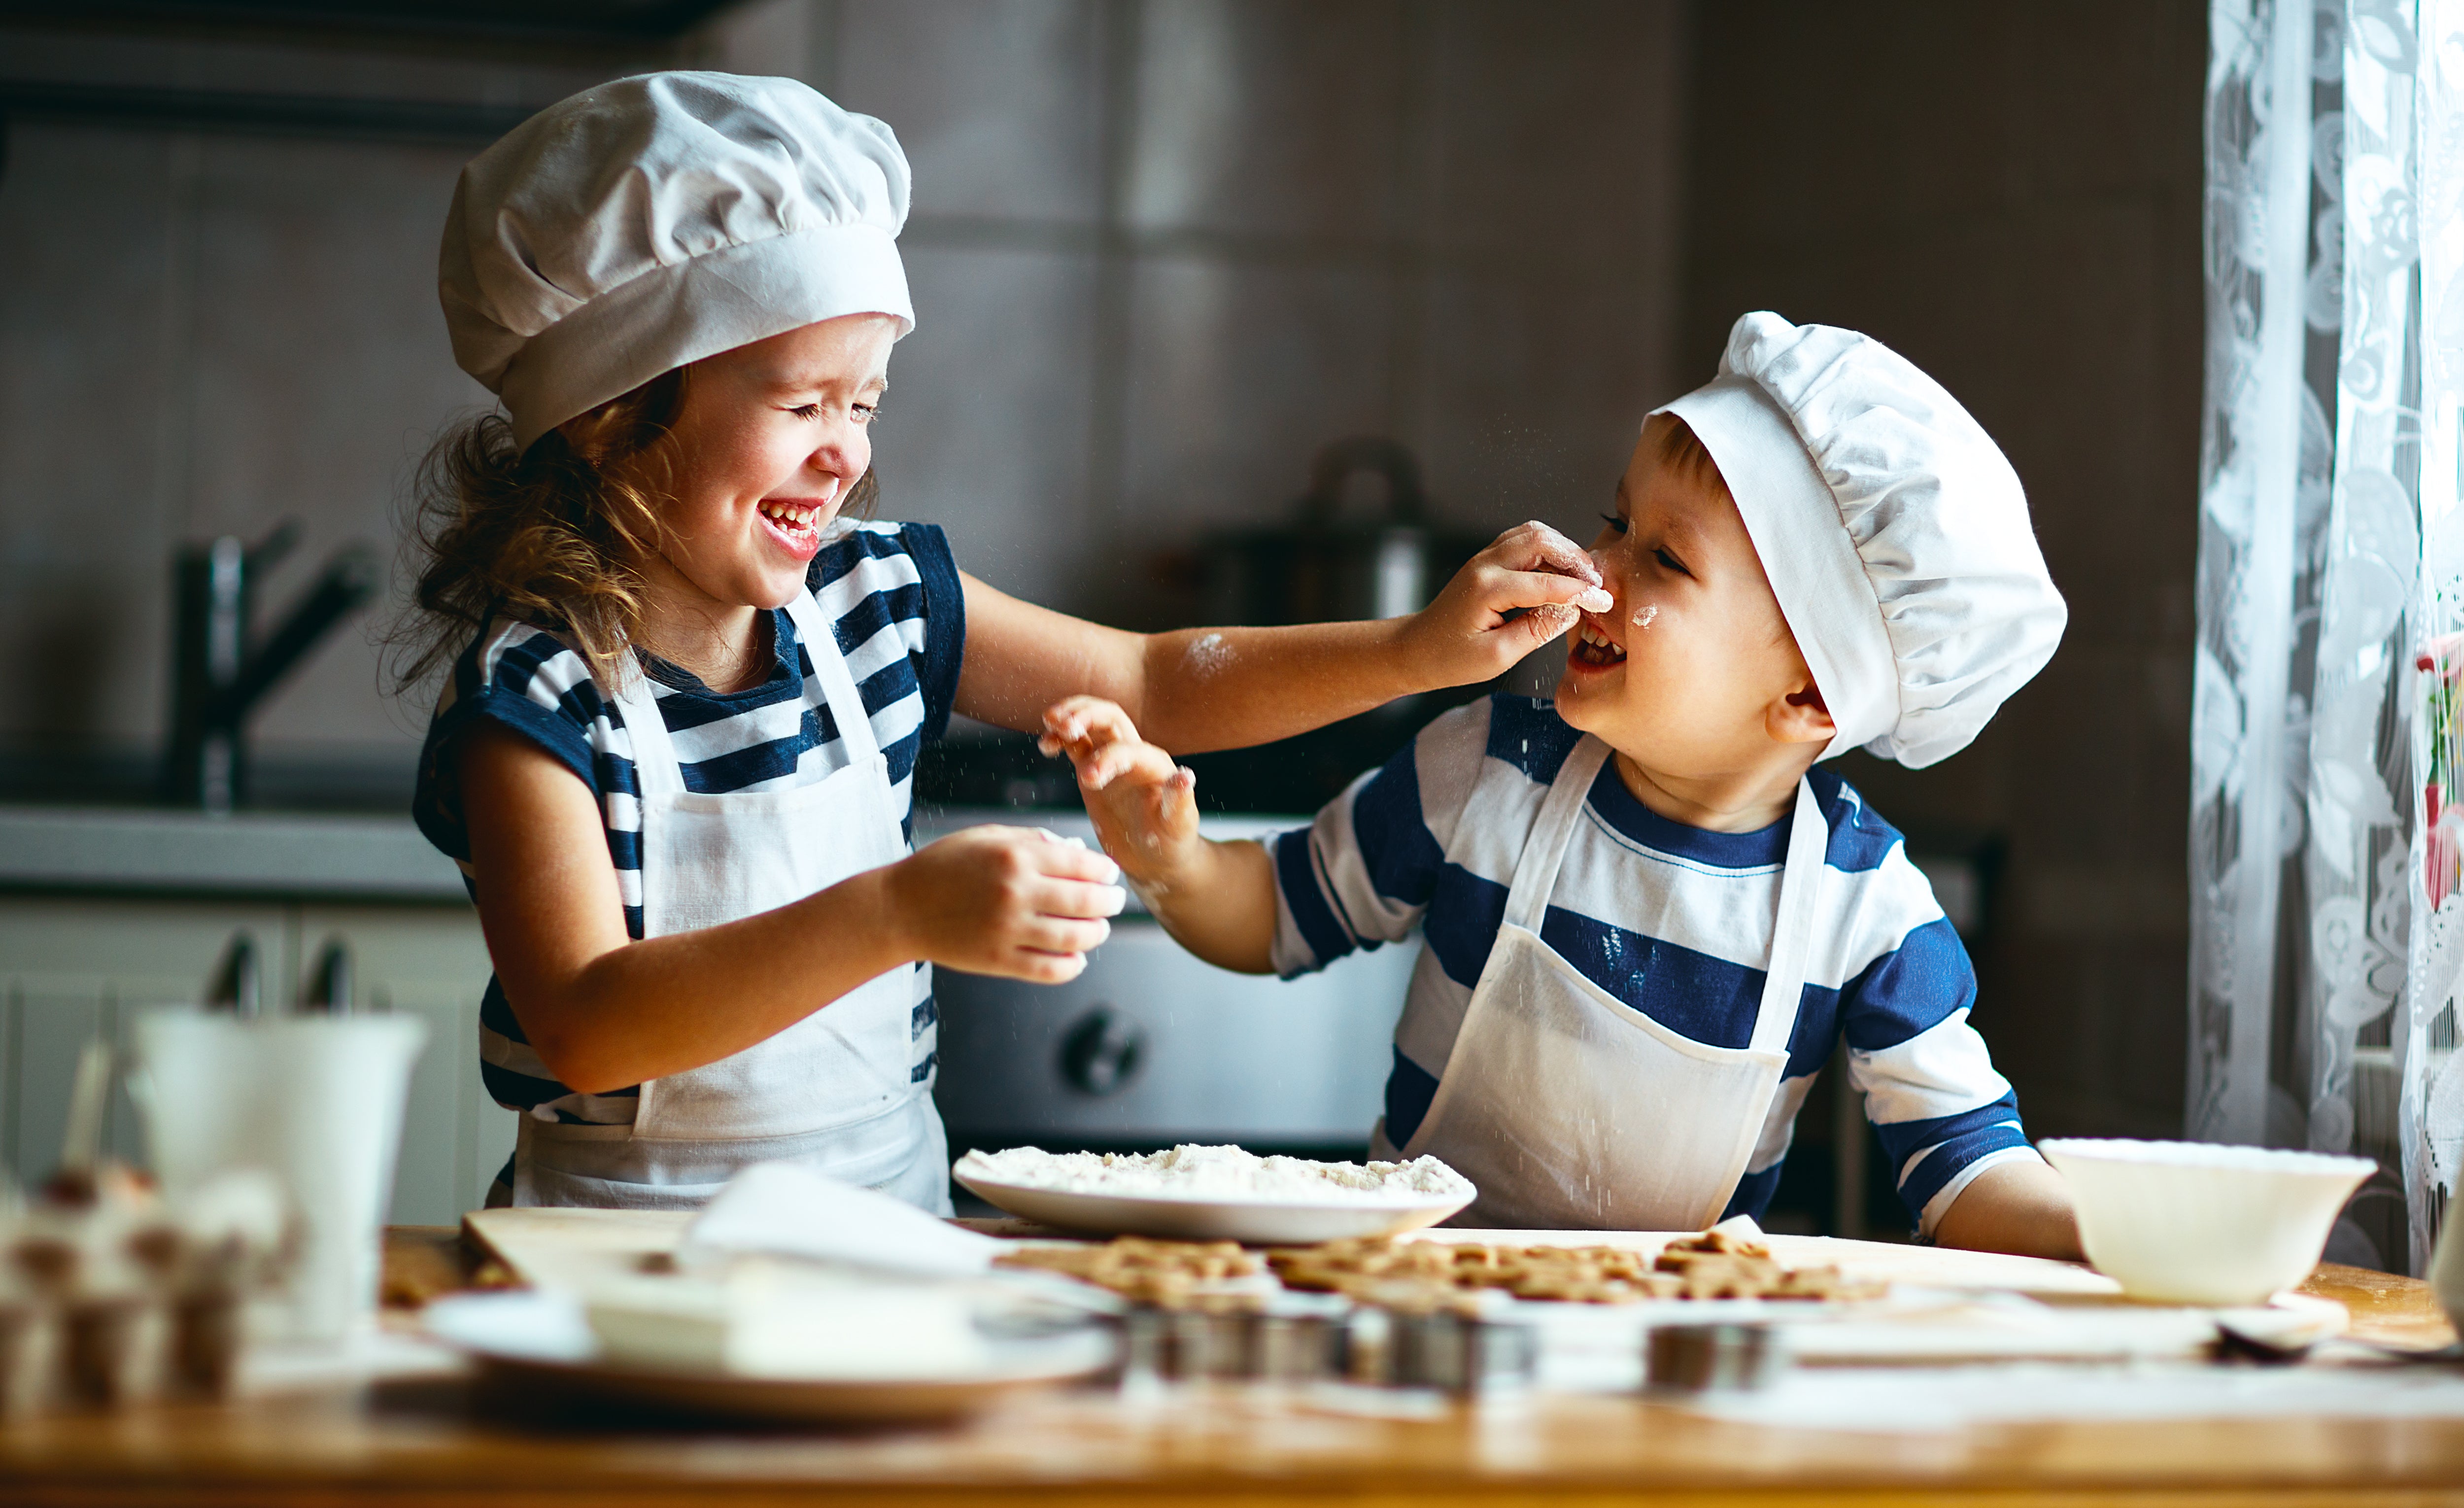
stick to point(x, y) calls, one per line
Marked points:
point(2327, 935)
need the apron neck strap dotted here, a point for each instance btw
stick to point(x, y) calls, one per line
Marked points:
point(1535, 873)
point(1800, 882)
point(656, 771)
point(836, 682)
point(655, 768)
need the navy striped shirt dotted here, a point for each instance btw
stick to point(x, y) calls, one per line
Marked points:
point(1675, 921)
point(893, 596)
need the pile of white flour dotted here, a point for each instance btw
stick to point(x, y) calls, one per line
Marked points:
point(1218, 1172)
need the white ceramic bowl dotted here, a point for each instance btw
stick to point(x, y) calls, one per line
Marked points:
point(2195, 1222)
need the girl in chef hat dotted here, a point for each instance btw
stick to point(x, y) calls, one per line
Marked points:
point(686, 686)
point(1651, 913)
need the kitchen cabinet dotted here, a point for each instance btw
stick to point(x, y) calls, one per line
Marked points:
point(76, 968)
point(72, 971)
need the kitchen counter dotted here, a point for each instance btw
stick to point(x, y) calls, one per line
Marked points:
point(161, 851)
point(440, 1439)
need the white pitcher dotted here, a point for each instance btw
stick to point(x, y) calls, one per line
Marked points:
point(315, 1100)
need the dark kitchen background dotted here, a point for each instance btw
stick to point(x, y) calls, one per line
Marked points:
point(1164, 251)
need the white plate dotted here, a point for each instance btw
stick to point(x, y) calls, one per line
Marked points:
point(1252, 1222)
point(539, 1344)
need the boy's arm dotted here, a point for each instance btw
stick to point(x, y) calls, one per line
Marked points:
point(2020, 1205)
point(1217, 900)
point(1220, 904)
point(1200, 688)
point(1947, 1120)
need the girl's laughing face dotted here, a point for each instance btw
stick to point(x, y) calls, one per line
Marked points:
point(772, 437)
point(1693, 674)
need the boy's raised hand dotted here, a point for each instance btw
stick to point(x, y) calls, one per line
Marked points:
point(1507, 600)
point(1144, 804)
point(1218, 900)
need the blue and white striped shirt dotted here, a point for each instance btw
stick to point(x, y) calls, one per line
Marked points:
point(1675, 922)
point(892, 594)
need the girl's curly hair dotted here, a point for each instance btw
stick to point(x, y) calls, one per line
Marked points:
point(554, 536)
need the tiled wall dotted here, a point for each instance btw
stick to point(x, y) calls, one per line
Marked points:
point(2010, 195)
point(1189, 242)
point(1163, 250)
point(201, 335)
point(203, 332)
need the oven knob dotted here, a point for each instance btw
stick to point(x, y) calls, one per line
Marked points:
point(1100, 1054)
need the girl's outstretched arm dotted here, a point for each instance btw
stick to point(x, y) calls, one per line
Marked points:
point(1200, 688)
point(603, 1011)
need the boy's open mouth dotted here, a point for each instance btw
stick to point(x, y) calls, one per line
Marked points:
point(1592, 649)
point(795, 524)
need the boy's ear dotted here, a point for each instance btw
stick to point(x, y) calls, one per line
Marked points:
point(1801, 716)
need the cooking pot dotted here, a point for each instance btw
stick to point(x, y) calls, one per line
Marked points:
point(1362, 544)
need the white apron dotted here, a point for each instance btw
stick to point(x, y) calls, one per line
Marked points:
point(834, 1090)
point(1571, 1109)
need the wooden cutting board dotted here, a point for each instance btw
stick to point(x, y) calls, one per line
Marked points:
point(569, 1248)
point(575, 1248)
point(563, 1248)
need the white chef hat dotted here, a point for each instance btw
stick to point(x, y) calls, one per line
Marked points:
point(1895, 534)
point(650, 222)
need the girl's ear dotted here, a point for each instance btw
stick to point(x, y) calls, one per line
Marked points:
point(1800, 716)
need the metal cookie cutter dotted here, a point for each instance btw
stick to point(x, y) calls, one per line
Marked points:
point(1460, 1353)
point(1713, 1358)
point(1288, 1338)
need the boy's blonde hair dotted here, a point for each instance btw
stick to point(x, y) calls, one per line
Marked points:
point(1681, 449)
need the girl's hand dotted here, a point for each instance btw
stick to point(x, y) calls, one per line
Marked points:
point(1507, 600)
point(1144, 805)
point(1006, 901)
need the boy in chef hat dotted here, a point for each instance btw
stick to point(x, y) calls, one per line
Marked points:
point(1651, 912)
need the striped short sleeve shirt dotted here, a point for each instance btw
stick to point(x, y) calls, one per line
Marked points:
point(1673, 921)
point(892, 595)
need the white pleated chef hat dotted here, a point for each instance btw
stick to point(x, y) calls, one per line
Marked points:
point(1895, 534)
point(650, 222)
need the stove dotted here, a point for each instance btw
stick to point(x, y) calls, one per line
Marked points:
point(1151, 1046)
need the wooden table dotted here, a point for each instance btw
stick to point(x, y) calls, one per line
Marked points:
point(441, 1441)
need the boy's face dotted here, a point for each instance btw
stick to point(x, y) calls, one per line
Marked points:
point(1693, 674)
